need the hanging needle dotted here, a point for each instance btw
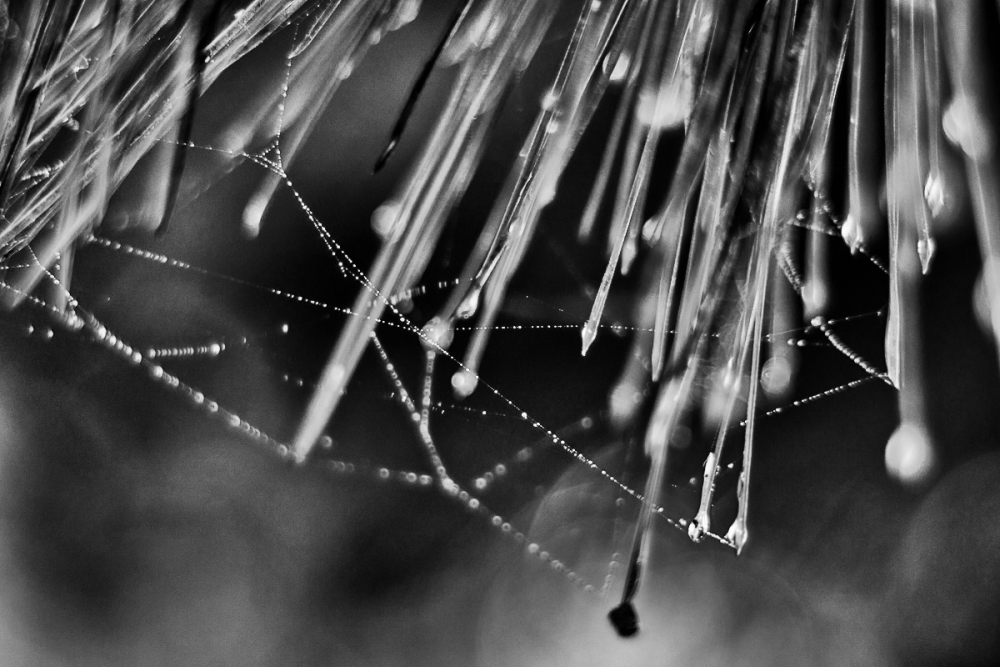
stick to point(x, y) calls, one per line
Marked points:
point(666, 417)
point(624, 617)
point(179, 161)
point(865, 141)
point(418, 86)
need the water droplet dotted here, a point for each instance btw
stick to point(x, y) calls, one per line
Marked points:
point(776, 376)
point(549, 100)
point(464, 382)
point(909, 455)
point(967, 127)
point(385, 219)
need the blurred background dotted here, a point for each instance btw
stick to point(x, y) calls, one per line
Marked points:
point(137, 531)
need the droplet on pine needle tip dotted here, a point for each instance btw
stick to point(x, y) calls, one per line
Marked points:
point(630, 250)
point(437, 335)
point(737, 535)
point(406, 12)
point(588, 334)
point(624, 619)
point(385, 219)
point(470, 304)
point(404, 305)
point(815, 297)
point(945, 195)
point(967, 127)
point(253, 214)
point(626, 396)
point(699, 527)
point(926, 249)
point(934, 194)
point(776, 376)
point(851, 233)
point(981, 304)
point(464, 382)
point(909, 455)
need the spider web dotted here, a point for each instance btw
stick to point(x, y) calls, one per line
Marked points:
point(403, 374)
point(238, 333)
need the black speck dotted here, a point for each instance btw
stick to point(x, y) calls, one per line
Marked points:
point(624, 619)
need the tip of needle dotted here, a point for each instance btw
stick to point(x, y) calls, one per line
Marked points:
point(624, 620)
point(925, 251)
point(737, 535)
point(588, 335)
point(698, 528)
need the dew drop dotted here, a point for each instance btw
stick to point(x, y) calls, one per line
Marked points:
point(464, 383)
point(549, 100)
point(385, 218)
point(776, 376)
point(909, 455)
